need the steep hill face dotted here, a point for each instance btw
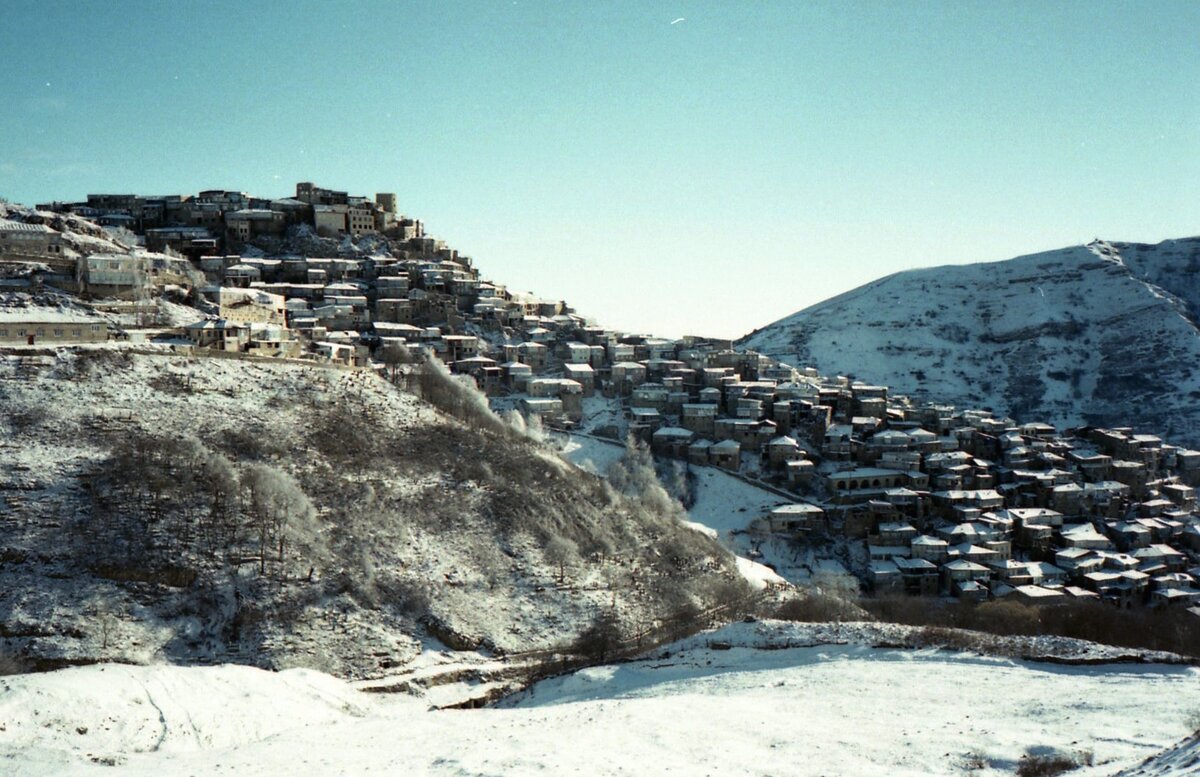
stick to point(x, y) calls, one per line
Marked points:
point(1099, 334)
point(198, 509)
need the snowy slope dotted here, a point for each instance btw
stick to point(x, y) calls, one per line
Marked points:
point(799, 711)
point(1100, 334)
point(421, 522)
point(1178, 761)
point(723, 507)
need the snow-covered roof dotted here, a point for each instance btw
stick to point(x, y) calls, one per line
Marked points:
point(46, 316)
point(8, 225)
point(796, 508)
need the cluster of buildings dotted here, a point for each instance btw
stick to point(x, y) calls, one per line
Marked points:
point(938, 500)
point(216, 221)
point(941, 501)
point(968, 505)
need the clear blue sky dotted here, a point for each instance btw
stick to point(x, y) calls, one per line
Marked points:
point(705, 176)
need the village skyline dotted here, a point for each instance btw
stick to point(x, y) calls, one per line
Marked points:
point(731, 155)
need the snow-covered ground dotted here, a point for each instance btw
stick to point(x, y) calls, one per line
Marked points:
point(725, 505)
point(844, 710)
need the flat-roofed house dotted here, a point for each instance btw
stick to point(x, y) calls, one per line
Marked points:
point(36, 325)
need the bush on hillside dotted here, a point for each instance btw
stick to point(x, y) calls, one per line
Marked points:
point(458, 398)
point(601, 639)
point(1168, 629)
point(818, 607)
point(1051, 764)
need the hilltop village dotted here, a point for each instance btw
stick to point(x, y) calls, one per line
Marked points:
point(933, 500)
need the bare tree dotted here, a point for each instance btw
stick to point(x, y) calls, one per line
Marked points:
point(280, 511)
point(562, 551)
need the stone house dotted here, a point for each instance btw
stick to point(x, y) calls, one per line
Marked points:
point(459, 347)
point(625, 377)
point(700, 419)
point(918, 576)
point(962, 570)
point(584, 375)
point(726, 454)
point(272, 340)
point(398, 311)
point(782, 450)
point(536, 355)
point(796, 520)
point(799, 472)
point(864, 483)
point(113, 275)
point(241, 226)
point(698, 454)
point(750, 435)
point(34, 326)
point(19, 240)
point(251, 306)
point(930, 548)
point(576, 353)
point(1038, 596)
point(516, 375)
point(548, 409)
point(652, 395)
point(219, 334)
point(1084, 536)
point(671, 441)
point(488, 376)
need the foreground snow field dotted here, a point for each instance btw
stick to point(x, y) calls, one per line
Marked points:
point(828, 710)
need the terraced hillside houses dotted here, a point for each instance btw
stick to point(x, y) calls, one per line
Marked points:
point(929, 499)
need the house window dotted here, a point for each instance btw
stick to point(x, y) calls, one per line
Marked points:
point(76, 332)
point(3, 333)
point(58, 332)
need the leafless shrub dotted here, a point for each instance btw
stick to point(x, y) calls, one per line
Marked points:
point(600, 639)
point(282, 515)
point(345, 431)
point(561, 551)
point(244, 442)
point(975, 761)
point(814, 606)
point(1169, 629)
point(172, 383)
point(413, 597)
point(460, 399)
point(1049, 765)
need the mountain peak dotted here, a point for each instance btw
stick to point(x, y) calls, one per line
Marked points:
point(1053, 336)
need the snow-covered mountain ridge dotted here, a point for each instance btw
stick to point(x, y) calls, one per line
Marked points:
point(1102, 334)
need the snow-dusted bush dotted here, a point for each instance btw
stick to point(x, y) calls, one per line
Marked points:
point(600, 639)
point(815, 606)
point(282, 515)
point(457, 396)
point(1169, 629)
point(1051, 764)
